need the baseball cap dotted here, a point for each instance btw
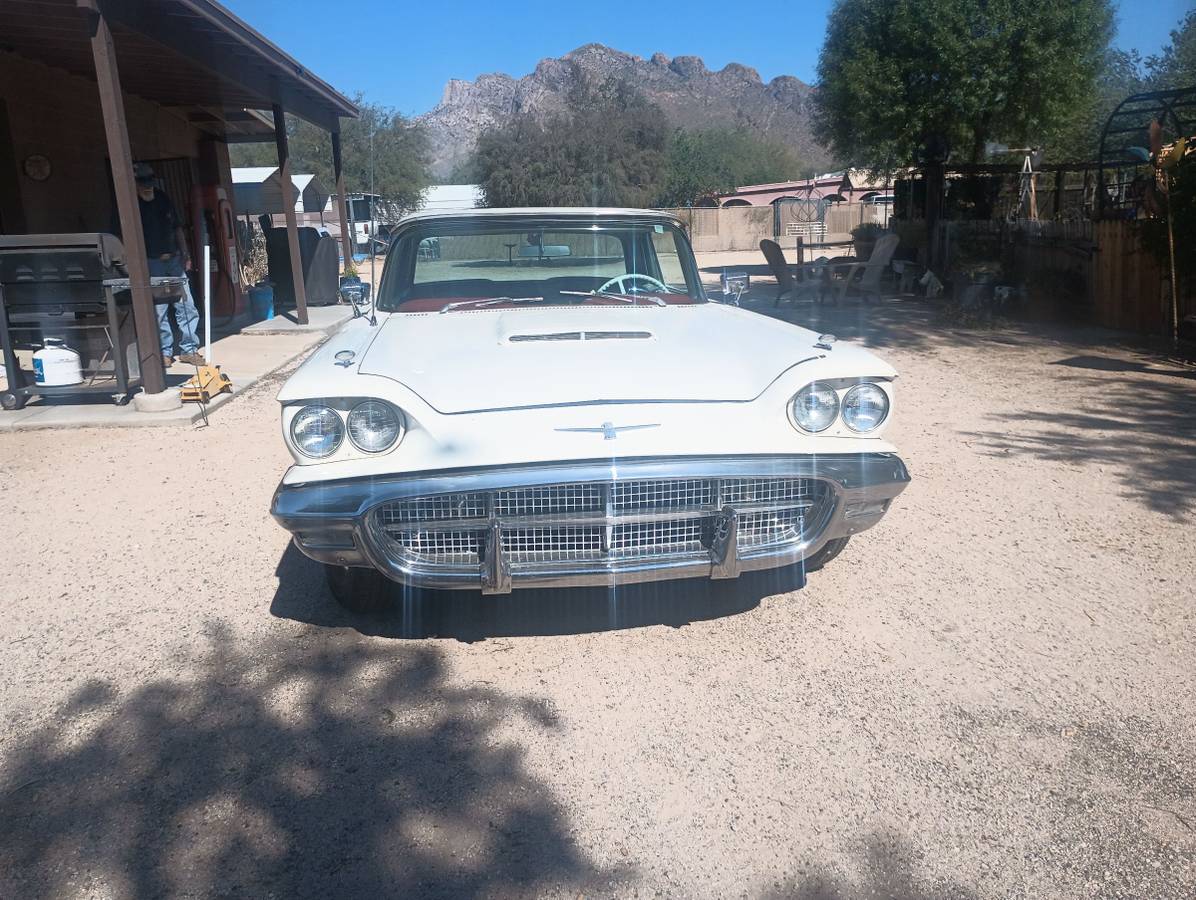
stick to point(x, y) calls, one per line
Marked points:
point(143, 173)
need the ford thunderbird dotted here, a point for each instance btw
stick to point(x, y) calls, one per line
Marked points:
point(548, 398)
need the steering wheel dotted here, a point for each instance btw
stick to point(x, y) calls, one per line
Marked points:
point(633, 276)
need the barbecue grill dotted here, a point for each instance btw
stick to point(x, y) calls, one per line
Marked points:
point(72, 287)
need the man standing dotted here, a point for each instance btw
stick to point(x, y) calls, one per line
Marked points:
point(166, 247)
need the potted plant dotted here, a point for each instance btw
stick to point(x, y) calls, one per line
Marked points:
point(255, 274)
point(865, 237)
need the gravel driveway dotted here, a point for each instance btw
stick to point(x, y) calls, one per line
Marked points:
point(991, 694)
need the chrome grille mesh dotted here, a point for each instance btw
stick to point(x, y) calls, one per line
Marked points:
point(761, 529)
point(657, 538)
point(447, 547)
point(678, 493)
point(554, 499)
point(428, 509)
point(619, 520)
point(765, 490)
point(552, 543)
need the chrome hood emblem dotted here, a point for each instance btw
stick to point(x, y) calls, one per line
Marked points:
point(609, 430)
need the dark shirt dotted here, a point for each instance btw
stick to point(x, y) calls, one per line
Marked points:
point(158, 224)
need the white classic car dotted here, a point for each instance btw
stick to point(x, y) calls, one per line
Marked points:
point(546, 397)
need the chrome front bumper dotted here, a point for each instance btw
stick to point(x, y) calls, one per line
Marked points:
point(341, 522)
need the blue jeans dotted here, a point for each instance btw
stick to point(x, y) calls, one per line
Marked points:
point(185, 313)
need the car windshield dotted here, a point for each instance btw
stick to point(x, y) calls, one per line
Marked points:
point(464, 263)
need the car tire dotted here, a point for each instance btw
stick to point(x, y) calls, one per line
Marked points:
point(829, 551)
point(359, 590)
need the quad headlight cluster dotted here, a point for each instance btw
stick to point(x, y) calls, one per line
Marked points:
point(863, 407)
point(372, 426)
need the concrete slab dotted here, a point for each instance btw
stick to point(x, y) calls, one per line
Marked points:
point(245, 358)
point(320, 319)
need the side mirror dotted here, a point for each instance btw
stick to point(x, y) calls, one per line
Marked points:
point(735, 285)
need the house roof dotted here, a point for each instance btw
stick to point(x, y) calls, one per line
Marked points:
point(178, 53)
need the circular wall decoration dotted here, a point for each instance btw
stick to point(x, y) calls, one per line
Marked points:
point(37, 167)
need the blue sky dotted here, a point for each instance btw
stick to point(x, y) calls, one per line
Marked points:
point(402, 53)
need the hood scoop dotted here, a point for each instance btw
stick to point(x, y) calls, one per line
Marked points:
point(581, 336)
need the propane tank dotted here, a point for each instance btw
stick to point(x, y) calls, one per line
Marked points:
point(56, 364)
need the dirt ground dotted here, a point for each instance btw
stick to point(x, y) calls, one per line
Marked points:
point(991, 694)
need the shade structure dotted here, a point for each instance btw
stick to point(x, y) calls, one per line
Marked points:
point(258, 190)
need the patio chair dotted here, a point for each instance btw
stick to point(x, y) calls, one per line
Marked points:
point(786, 282)
point(863, 276)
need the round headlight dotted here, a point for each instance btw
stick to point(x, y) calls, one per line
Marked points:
point(374, 426)
point(815, 407)
point(317, 431)
point(865, 407)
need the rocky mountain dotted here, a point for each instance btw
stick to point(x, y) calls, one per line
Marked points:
point(691, 96)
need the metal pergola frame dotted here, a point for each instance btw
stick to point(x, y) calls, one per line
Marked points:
point(1129, 126)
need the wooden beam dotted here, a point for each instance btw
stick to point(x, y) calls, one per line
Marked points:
point(347, 237)
point(12, 212)
point(112, 104)
point(288, 210)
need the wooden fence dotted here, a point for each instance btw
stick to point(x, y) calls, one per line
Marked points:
point(1097, 272)
point(1129, 287)
point(726, 228)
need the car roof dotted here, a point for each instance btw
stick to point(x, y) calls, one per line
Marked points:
point(543, 212)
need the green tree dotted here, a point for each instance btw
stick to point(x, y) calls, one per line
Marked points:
point(1076, 135)
point(1122, 73)
point(606, 148)
point(895, 73)
point(1175, 66)
point(703, 163)
point(399, 155)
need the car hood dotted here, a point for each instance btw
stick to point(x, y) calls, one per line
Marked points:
point(473, 360)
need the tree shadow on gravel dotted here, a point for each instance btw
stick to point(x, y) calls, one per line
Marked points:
point(1141, 429)
point(887, 870)
point(303, 596)
point(311, 766)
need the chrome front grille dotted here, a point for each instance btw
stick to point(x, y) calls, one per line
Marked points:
point(765, 529)
point(442, 547)
point(682, 493)
point(436, 508)
point(554, 543)
point(648, 539)
point(553, 499)
point(742, 491)
point(603, 523)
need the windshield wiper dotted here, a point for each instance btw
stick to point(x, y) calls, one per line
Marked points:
point(608, 296)
point(489, 301)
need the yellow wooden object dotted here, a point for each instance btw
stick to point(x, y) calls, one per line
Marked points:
point(206, 384)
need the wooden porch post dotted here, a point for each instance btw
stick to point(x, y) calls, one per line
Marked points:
point(347, 237)
point(288, 209)
point(112, 104)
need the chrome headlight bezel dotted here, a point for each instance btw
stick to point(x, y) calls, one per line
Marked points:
point(372, 406)
point(330, 416)
point(830, 398)
point(857, 391)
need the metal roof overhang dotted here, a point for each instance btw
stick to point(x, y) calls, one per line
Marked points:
point(193, 54)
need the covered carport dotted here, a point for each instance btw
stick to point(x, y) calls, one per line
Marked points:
point(167, 74)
